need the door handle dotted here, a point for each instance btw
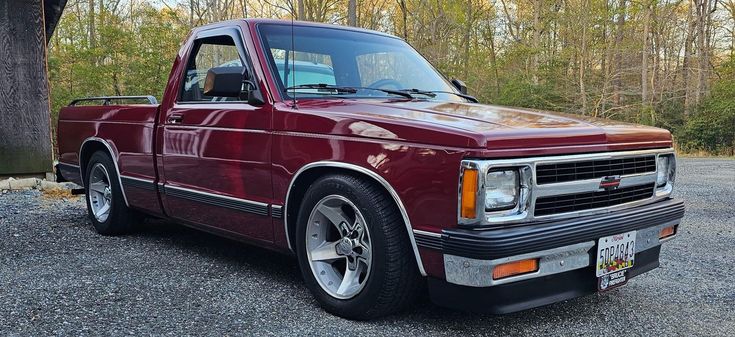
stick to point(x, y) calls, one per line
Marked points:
point(175, 118)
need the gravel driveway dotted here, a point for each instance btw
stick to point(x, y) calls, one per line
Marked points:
point(58, 277)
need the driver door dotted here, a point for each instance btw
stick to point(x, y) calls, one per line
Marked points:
point(216, 150)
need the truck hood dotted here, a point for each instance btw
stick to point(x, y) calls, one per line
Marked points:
point(497, 127)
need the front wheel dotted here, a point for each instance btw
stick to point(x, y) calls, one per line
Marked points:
point(353, 250)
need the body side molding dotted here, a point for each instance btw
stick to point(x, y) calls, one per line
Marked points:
point(374, 176)
point(238, 204)
point(146, 184)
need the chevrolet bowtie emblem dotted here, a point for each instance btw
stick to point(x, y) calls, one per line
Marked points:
point(610, 182)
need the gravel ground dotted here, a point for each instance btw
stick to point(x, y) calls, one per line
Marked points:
point(58, 277)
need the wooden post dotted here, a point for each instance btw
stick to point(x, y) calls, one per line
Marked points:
point(25, 120)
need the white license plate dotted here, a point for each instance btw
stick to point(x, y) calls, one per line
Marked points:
point(615, 253)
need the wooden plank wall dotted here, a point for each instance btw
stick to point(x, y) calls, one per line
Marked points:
point(25, 131)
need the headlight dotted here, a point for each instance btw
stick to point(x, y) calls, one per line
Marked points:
point(665, 171)
point(501, 190)
point(662, 170)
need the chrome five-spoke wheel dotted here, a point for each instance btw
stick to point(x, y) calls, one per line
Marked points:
point(338, 247)
point(353, 250)
point(106, 203)
point(100, 192)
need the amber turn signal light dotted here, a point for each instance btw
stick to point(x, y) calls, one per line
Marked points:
point(515, 268)
point(469, 194)
point(667, 232)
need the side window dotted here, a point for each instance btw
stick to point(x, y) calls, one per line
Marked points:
point(308, 68)
point(211, 52)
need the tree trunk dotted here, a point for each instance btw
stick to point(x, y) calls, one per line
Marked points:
point(701, 57)
point(730, 8)
point(705, 47)
point(509, 21)
point(90, 25)
point(352, 13)
point(601, 104)
point(657, 87)
point(583, 58)
point(101, 9)
point(466, 40)
point(618, 62)
point(704, 10)
point(687, 66)
point(644, 55)
point(536, 41)
point(494, 65)
point(116, 84)
point(404, 16)
point(191, 13)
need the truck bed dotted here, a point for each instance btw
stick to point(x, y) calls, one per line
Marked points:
point(125, 130)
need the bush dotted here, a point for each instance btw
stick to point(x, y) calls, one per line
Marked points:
point(522, 93)
point(712, 128)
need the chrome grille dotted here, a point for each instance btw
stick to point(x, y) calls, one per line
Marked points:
point(591, 169)
point(589, 200)
point(563, 186)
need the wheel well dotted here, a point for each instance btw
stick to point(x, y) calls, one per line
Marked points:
point(297, 191)
point(86, 153)
point(311, 172)
point(89, 147)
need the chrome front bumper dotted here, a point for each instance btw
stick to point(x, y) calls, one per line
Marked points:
point(478, 273)
point(561, 246)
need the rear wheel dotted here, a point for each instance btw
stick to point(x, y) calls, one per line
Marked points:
point(353, 251)
point(105, 202)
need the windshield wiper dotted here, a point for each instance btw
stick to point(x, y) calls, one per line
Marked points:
point(388, 91)
point(350, 90)
point(323, 87)
point(432, 93)
point(419, 92)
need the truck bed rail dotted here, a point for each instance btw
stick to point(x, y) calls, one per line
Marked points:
point(107, 100)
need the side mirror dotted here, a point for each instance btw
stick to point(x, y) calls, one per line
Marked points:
point(224, 81)
point(232, 82)
point(459, 85)
point(254, 97)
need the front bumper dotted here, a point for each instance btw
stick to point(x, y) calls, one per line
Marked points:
point(530, 293)
point(564, 249)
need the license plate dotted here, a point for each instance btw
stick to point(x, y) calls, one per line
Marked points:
point(615, 254)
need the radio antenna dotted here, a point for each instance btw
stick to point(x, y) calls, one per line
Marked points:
point(293, 65)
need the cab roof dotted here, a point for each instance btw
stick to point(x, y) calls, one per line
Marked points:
point(253, 22)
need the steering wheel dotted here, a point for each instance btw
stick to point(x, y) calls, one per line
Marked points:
point(386, 82)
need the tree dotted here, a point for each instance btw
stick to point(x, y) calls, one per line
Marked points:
point(651, 61)
point(352, 13)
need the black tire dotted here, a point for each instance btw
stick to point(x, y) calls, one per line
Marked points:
point(394, 281)
point(121, 219)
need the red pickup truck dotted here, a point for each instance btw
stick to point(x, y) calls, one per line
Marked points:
point(346, 148)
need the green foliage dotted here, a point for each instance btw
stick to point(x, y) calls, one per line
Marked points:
point(522, 92)
point(132, 55)
point(571, 56)
point(669, 115)
point(712, 128)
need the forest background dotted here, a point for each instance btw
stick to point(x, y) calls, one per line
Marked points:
point(667, 63)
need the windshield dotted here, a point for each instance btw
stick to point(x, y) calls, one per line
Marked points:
point(342, 58)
